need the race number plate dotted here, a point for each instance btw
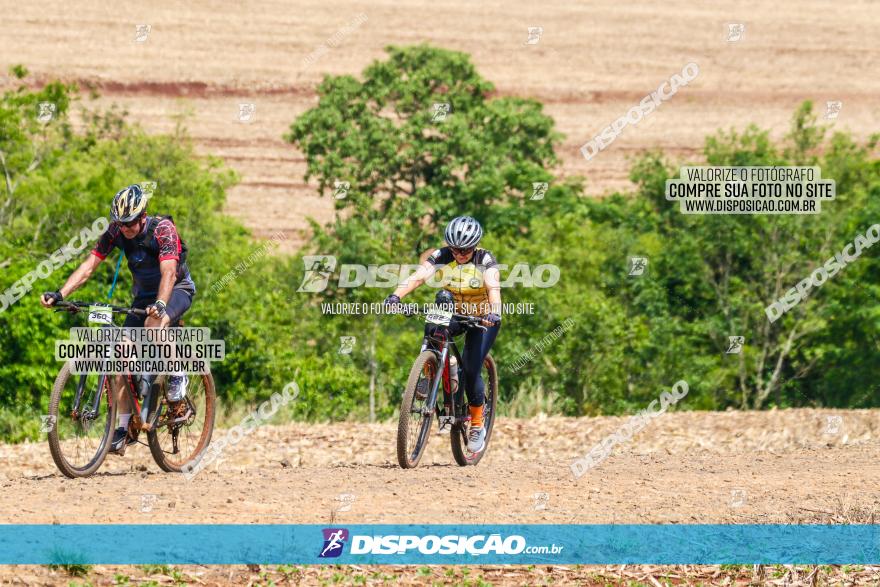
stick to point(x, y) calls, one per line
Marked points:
point(440, 317)
point(100, 315)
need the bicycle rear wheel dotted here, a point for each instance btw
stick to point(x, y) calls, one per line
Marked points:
point(79, 434)
point(178, 441)
point(459, 435)
point(414, 426)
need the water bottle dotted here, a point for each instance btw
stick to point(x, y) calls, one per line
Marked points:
point(453, 374)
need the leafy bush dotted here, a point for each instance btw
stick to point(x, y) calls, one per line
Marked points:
point(60, 181)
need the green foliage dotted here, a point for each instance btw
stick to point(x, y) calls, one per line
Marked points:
point(156, 569)
point(60, 181)
point(19, 425)
point(627, 338)
point(712, 276)
point(74, 570)
point(709, 277)
point(410, 170)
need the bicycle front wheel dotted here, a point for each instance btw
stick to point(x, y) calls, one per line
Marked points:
point(414, 425)
point(81, 419)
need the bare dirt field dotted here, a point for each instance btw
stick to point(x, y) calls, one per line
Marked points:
point(593, 62)
point(691, 467)
point(792, 466)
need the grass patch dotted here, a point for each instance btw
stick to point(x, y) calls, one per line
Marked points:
point(74, 570)
point(20, 424)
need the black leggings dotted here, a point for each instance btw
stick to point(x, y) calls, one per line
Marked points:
point(477, 344)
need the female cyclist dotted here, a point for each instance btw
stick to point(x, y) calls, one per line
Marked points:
point(471, 276)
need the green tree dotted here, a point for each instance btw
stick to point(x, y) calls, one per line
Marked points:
point(411, 166)
point(63, 179)
point(718, 273)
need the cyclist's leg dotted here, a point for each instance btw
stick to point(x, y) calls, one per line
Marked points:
point(476, 347)
point(123, 412)
point(477, 344)
point(178, 303)
point(432, 330)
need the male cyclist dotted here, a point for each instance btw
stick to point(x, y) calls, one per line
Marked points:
point(162, 284)
point(471, 276)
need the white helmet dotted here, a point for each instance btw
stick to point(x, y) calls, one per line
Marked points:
point(463, 232)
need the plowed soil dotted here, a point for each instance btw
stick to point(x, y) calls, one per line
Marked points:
point(592, 63)
point(793, 466)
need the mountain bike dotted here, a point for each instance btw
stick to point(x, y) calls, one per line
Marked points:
point(421, 397)
point(83, 408)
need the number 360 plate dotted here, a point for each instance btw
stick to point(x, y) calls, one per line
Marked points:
point(440, 317)
point(100, 315)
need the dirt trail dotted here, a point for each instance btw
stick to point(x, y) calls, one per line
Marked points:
point(736, 467)
point(792, 466)
point(592, 63)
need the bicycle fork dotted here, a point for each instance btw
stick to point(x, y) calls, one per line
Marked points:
point(428, 410)
point(442, 375)
point(79, 410)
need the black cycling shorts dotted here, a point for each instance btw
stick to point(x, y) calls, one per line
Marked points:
point(179, 303)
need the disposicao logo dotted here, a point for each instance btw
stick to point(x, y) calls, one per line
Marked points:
point(334, 540)
point(472, 545)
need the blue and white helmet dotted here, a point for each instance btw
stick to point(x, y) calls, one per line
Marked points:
point(463, 232)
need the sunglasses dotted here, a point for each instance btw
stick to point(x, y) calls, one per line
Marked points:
point(131, 223)
point(458, 251)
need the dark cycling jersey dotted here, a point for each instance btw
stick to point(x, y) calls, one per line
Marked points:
point(157, 242)
point(465, 282)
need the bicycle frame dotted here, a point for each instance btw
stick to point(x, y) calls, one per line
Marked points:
point(140, 416)
point(450, 401)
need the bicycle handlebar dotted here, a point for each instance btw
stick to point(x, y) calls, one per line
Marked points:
point(74, 307)
point(475, 321)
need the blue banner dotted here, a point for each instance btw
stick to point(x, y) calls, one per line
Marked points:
point(439, 544)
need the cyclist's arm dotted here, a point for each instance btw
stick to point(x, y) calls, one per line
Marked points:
point(168, 269)
point(422, 274)
point(493, 283)
point(169, 257)
point(80, 275)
